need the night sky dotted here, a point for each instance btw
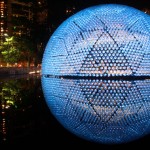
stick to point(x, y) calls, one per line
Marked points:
point(56, 8)
point(59, 4)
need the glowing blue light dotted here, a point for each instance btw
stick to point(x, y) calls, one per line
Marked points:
point(100, 42)
point(105, 111)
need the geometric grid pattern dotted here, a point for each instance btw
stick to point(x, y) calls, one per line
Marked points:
point(104, 111)
point(107, 40)
point(79, 61)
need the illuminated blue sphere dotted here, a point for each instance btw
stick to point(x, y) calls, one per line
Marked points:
point(95, 74)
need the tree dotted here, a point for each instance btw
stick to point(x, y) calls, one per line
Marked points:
point(15, 50)
point(9, 51)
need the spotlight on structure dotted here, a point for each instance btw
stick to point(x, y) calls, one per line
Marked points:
point(95, 74)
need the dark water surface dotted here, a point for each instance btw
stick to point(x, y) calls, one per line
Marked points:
point(25, 119)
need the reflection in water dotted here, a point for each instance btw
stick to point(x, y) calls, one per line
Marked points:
point(18, 108)
point(26, 120)
point(105, 111)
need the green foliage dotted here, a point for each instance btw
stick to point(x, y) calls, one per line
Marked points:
point(9, 50)
point(17, 93)
point(14, 50)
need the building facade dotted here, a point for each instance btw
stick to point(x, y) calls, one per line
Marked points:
point(3, 19)
point(25, 19)
point(19, 17)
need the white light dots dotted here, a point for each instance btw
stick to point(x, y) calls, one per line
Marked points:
point(95, 74)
